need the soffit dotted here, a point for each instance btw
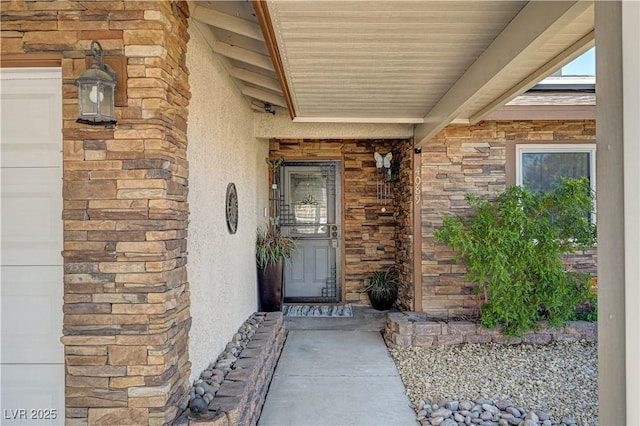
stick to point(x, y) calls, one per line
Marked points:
point(576, 34)
point(424, 63)
point(380, 61)
point(234, 34)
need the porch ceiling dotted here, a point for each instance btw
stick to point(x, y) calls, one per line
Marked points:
point(427, 63)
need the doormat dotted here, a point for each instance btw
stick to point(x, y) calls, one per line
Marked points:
point(317, 310)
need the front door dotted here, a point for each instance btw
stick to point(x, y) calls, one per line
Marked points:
point(309, 212)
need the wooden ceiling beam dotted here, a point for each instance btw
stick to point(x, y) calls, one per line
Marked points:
point(227, 22)
point(534, 24)
point(243, 55)
point(211, 40)
point(264, 96)
point(264, 19)
point(358, 120)
point(566, 56)
point(256, 79)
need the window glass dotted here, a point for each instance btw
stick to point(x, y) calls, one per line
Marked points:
point(539, 166)
point(540, 170)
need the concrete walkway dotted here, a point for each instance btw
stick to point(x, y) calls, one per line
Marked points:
point(336, 371)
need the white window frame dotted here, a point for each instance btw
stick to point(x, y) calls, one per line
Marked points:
point(556, 148)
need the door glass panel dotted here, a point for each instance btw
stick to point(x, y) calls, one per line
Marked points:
point(308, 198)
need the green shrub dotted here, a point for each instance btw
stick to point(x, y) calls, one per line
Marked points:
point(588, 311)
point(512, 247)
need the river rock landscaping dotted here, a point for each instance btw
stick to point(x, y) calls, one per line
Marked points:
point(232, 390)
point(500, 385)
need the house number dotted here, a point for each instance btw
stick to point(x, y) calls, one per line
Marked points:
point(417, 190)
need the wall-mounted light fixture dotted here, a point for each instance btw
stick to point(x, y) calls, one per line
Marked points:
point(96, 91)
point(268, 108)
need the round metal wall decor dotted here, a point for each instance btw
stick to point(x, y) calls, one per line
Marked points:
point(232, 208)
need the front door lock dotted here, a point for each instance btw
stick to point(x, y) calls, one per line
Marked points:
point(334, 236)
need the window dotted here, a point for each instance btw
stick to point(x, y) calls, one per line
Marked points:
point(538, 167)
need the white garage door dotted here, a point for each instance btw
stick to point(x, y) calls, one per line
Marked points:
point(31, 355)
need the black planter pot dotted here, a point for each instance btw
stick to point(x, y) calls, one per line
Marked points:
point(382, 303)
point(270, 279)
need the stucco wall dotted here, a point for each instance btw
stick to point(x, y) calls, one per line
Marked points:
point(222, 149)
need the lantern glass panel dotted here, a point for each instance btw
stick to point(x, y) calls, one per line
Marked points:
point(88, 95)
point(106, 100)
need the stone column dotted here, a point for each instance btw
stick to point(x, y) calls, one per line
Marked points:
point(125, 214)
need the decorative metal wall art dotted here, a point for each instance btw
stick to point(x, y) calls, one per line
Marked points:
point(383, 187)
point(383, 163)
point(232, 208)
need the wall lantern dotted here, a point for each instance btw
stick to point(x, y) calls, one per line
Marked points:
point(96, 91)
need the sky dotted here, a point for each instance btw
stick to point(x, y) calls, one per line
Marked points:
point(583, 65)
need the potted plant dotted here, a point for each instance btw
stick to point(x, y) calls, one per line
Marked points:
point(383, 288)
point(272, 249)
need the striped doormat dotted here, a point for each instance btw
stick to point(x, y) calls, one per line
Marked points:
point(317, 310)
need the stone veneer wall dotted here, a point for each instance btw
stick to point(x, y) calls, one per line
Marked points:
point(126, 296)
point(403, 199)
point(473, 159)
point(369, 235)
point(406, 329)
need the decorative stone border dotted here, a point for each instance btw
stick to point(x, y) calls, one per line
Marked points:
point(246, 367)
point(404, 329)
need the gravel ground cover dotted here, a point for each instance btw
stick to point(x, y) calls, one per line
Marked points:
point(560, 378)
